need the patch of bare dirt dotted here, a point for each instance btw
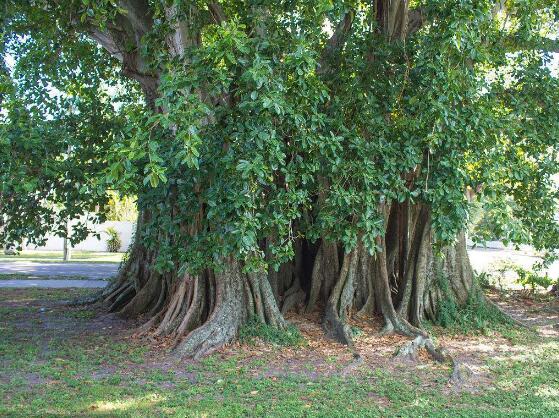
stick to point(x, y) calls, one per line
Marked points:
point(39, 318)
point(57, 318)
point(538, 311)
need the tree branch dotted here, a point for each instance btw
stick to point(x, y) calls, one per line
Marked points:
point(336, 42)
point(138, 14)
point(122, 38)
point(392, 17)
point(217, 12)
point(338, 38)
point(183, 36)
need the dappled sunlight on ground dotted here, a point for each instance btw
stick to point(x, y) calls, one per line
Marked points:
point(63, 360)
point(143, 402)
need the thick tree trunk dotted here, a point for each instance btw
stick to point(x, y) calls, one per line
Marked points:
point(199, 313)
point(402, 282)
point(204, 312)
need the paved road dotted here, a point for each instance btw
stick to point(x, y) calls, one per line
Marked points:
point(94, 271)
point(53, 284)
point(487, 259)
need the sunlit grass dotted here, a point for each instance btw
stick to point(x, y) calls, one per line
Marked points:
point(49, 371)
point(143, 402)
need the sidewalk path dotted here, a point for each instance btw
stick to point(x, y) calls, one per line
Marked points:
point(94, 271)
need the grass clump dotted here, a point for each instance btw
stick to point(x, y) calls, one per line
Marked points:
point(255, 329)
point(356, 332)
point(476, 315)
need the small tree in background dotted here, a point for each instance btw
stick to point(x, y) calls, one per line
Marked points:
point(113, 242)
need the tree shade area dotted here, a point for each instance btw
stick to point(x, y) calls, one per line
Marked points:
point(286, 155)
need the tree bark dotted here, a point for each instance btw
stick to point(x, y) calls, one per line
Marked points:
point(401, 282)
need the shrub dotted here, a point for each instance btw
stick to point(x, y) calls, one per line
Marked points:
point(484, 279)
point(532, 279)
point(10, 251)
point(113, 242)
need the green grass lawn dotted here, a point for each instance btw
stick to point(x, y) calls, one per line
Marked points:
point(61, 361)
point(56, 257)
point(24, 276)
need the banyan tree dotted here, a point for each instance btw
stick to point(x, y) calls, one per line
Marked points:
point(306, 155)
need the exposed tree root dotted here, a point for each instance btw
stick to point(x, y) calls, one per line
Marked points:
point(86, 300)
point(460, 374)
point(121, 296)
point(262, 291)
point(199, 314)
point(238, 296)
point(410, 350)
point(145, 299)
point(224, 322)
point(393, 321)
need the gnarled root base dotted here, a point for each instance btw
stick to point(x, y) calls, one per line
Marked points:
point(201, 313)
point(238, 296)
point(401, 281)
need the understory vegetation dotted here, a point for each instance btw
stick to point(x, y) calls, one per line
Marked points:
point(65, 361)
point(476, 314)
point(113, 240)
point(255, 329)
point(505, 273)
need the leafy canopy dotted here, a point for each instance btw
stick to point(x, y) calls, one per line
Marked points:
point(265, 129)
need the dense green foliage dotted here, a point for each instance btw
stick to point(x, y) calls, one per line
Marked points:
point(477, 315)
point(437, 106)
point(263, 129)
point(57, 125)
